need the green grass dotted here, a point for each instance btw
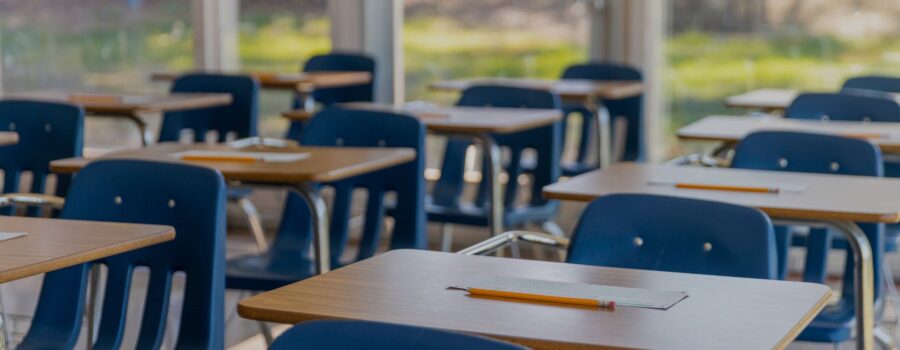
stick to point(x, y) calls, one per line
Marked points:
point(436, 48)
point(701, 68)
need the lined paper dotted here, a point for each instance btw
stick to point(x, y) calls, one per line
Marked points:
point(10, 235)
point(94, 98)
point(779, 187)
point(622, 296)
point(262, 141)
point(268, 157)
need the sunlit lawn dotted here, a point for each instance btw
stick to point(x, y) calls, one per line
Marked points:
point(701, 68)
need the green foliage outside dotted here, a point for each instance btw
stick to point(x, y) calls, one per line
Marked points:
point(279, 43)
point(704, 68)
point(438, 48)
point(701, 68)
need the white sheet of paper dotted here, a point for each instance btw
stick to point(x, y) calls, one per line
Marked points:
point(782, 187)
point(623, 296)
point(10, 235)
point(262, 141)
point(269, 157)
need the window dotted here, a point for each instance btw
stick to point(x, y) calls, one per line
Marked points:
point(279, 36)
point(721, 48)
point(509, 38)
point(92, 44)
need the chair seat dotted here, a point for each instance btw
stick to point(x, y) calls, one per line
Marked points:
point(469, 214)
point(568, 169)
point(235, 193)
point(265, 272)
point(50, 341)
point(578, 168)
point(833, 325)
point(891, 235)
point(892, 167)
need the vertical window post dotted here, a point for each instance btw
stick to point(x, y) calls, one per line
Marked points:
point(375, 28)
point(633, 32)
point(215, 25)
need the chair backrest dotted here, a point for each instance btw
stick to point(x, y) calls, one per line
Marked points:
point(807, 153)
point(362, 128)
point(874, 82)
point(189, 198)
point(349, 335)
point(844, 106)
point(47, 131)
point(239, 117)
point(337, 62)
point(818, 153)
point(343, 62)
point(653, 232)
point(545, 141)
point(630, 108)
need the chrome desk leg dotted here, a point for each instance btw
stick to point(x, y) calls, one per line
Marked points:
point(93, 292)
point(724, 150)
point(146, 135)
point(885, 338)
point(446, 237)
point(308, 102)
point(604, 142)
point(4, 332)
point(863, 283)
point(256, 228)
point(493, 155)
point(320, 225)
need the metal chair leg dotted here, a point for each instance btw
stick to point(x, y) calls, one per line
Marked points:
point(884, 338)
point(4, 329)
point(891, 295)
point(92, 302)
point(264, 329)
point(256, 227)
point(514, 250)
point(538, 252)
point(266, 332)
point(446, 237)
point(553, 228)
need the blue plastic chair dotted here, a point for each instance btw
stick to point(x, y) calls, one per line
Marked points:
point(843, 106)
point(287, 260)
point(629, 108)
point(47, 131)
point(189, 198)
point(829, 154)
point(853, 106)
point(337, 62)
point(874, 83)
point(446, 203)
point(652, 232)
point(238, 118)
point(352, 335)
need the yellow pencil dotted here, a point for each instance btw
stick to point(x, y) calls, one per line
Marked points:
point(867, 136)
point(235, 159)
point(541, 297)
point(727, 188)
